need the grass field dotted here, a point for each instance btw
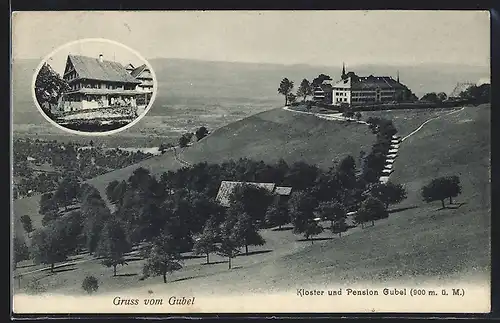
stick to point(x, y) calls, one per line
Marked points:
point(417, 242)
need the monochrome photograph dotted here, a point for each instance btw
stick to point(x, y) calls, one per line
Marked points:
point(93, 86)
point(187, 162)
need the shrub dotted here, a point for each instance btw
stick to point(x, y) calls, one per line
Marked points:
point(90, 284)
point(35, 287)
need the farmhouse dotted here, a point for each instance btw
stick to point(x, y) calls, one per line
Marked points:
point(227, 187)
point(142, 74)
point(97, 83)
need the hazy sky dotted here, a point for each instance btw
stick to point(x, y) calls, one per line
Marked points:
point(289, 37)
point(93, 48)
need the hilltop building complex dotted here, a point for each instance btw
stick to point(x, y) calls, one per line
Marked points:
point(352, 89)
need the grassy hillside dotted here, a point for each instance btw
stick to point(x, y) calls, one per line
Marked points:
point(417, 242)
point(266, 136)
point(278, 134)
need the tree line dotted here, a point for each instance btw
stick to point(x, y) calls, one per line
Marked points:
point(177, 212)
point(305, 89)
point(63, 158)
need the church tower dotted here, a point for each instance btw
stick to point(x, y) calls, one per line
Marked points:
point(398, 77)
point(343, 76)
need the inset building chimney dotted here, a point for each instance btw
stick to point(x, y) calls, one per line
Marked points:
point(101, 58)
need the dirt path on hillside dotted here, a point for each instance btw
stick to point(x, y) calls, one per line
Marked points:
point(427, 121)
point(330, 117)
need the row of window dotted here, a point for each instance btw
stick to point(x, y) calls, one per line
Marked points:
point(96, 85)
point(371, 99)
point(355, 93)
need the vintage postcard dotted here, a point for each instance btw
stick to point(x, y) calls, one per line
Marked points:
point(251, 162)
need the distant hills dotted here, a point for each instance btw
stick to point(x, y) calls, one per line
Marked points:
point(204, 83)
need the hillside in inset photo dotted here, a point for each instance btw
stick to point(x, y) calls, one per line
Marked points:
point(94, 86)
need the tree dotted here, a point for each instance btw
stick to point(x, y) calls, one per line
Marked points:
point(320, 79)
point(246, 233)
point(358, 115)
point(312, 229)
point(302, 205)
point(67, 191)
point(163, 257)
point(21, 251)
point(454, 188)
point(110, 190)
point(335, 213)
point(90, 284)
point(229, 244)
point(47, 203)
point(49, 86)
point(441, 188)
point(27, 223)
point(371, 209)
point(292, 98)
point(184, 140)
point(50, 244)
point(389, 193)
point(113, 244)
point(277, 214)
point(477, 94)
point(207, 242)
point(95, 213)
point(430, 97)
point(305, 89)
point(163, 147)
point(286, 86)
point(441, 96)
point(202, 132)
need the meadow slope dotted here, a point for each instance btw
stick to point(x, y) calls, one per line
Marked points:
point(266, 136)
point(418, 242)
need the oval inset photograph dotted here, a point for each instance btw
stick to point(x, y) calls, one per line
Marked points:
point(94, 87)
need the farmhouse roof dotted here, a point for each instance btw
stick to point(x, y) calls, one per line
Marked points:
point(282, 190)
point(138, 70)
point(105, 91)
point(227, 187)
point(93, 69)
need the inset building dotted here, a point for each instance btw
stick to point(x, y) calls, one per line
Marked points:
point(97, 83)
point(143, 74)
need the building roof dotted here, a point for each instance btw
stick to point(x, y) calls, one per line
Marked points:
point(105, 91)
point(372, 82)
point(283, 190)
point(92, 69)
point(138, 70)
point(227, 187)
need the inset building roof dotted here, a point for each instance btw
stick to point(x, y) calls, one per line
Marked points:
point(94, 69)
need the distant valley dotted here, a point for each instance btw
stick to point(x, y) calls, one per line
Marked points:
point(193, 93)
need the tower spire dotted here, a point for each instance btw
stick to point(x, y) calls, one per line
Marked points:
point(343, 70)
point(398, 77)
